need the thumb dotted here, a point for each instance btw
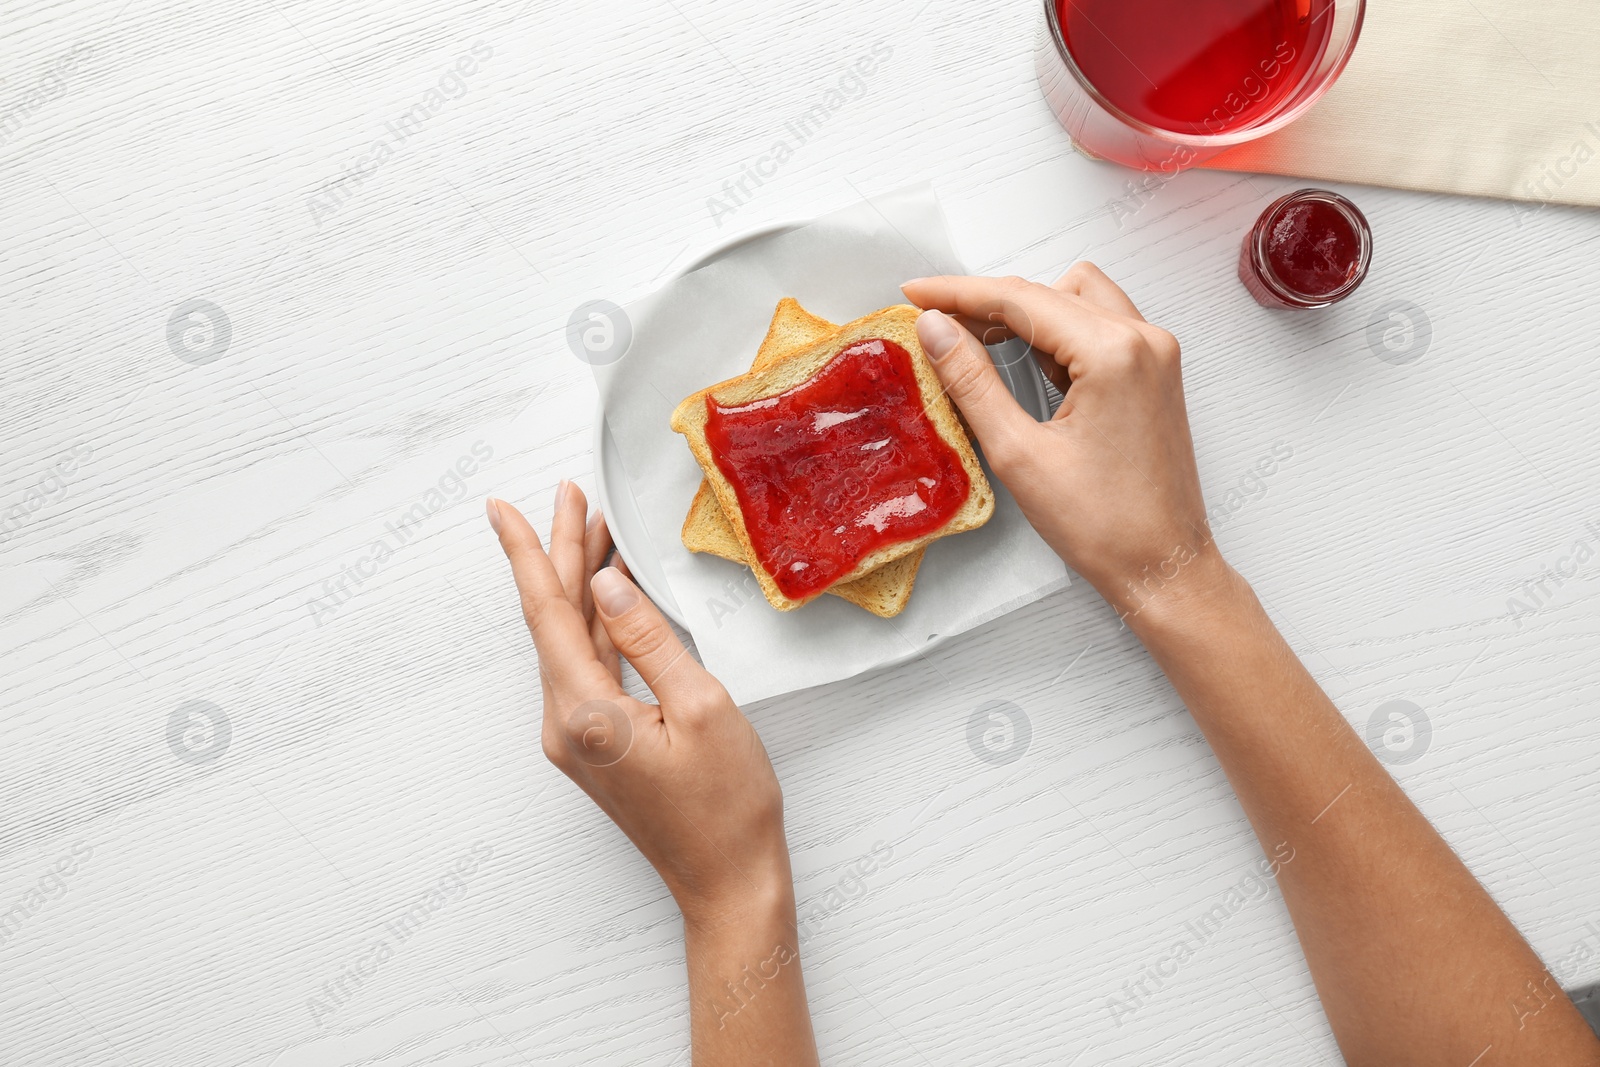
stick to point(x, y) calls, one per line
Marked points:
point(969, 377)
point(642, 634)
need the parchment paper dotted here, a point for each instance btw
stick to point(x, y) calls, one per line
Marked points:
point(706, 326)
point(1481, 97)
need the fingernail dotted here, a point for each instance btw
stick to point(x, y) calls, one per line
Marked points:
point(913, 281)
point(561, 493)
point(492, 507)
point(612, 592)
point(937, 333)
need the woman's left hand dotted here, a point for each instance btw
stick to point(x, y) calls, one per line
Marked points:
point(686, 779)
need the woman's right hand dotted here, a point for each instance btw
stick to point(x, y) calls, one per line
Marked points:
point(1110, 482)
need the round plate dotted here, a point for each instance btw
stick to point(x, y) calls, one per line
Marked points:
point(1020, 373)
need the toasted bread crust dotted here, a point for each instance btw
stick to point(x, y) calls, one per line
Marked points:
point(898, 324)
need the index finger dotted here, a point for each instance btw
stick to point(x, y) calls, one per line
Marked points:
point(566, 655)
point(1082, 279)
point(1090, 282)
point(1058, 323)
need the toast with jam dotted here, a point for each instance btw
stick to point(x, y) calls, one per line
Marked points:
point(883, 592)
point(836, 458)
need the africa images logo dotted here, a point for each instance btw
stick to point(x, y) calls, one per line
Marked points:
point(399, 531)
point(451, 86)
point(401, 927)
point(1399, 732)
point(850, 86)
point(1200, 931)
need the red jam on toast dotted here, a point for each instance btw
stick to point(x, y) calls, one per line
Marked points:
point(837, 467)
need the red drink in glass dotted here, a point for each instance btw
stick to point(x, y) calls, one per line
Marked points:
point(1309, 249)
point(1165, 84)
point(1175, 64)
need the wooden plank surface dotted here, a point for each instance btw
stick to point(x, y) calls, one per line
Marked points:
point(271, 788)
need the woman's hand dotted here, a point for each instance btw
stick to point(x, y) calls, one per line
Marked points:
point(687, 780)
point(1390, 919)
point(1110, 481)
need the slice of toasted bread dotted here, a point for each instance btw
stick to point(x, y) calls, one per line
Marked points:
point(897, 324)
point(883, 592)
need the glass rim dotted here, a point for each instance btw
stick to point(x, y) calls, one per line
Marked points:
point(1263, 263)
point(1201, 140)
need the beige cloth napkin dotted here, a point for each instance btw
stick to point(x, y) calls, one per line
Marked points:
point(1483, 97)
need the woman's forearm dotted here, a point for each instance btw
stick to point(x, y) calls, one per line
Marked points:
point(1413, 961)
point(747, 1000)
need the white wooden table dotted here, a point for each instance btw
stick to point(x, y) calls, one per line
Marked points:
point(271, 789)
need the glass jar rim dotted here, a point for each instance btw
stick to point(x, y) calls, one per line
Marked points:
point(1263, 263)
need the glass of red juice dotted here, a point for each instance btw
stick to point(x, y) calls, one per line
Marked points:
point(1165, 84)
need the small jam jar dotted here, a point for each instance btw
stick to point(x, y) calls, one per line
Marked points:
point(1308, 250)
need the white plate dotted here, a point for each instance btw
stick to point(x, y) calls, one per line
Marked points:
point(1017, 368)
